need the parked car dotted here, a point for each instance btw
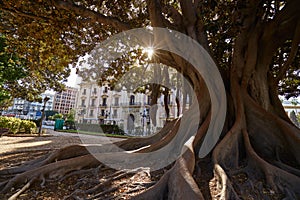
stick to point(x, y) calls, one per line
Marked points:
point(49, 123)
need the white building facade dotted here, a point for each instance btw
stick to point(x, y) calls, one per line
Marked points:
point(130, 111)
point(30, 110)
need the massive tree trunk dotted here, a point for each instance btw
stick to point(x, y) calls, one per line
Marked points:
point(257, 156)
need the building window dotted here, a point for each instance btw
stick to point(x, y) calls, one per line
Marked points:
point(105, 89)
point(102, 112)
point(95, 90)
point(93, 102)
point(115, 113)
point(84, 92)
point(116, 101)
point(91, 113)
point(104, 102)
point(83, 102)
point(131, 102)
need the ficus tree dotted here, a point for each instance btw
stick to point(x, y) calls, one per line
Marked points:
point(11, 71)
point(255, 47)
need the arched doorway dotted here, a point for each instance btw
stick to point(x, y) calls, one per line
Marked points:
point(130, 123)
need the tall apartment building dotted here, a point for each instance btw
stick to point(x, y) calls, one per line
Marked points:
point(100, 105)
point(65, 101)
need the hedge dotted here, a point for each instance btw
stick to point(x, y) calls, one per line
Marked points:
point(103, 128)
point(16, 125)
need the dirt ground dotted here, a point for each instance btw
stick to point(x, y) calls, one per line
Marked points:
point(15, 150)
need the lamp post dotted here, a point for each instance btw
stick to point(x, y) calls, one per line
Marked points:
point(43, 114)
point(143, 115)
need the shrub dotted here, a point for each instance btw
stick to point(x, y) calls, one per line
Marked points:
point(70, 124)
point(27, 126)
point(104, 128)
point(16, 125)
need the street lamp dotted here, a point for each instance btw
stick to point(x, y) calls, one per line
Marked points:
point(43, 114)
point(143, 115)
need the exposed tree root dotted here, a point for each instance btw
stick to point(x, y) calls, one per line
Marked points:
point(243, 167)
point(243, 173)
point(15, 196)
point(278, 179)
point(178, 182)
point(54, 170)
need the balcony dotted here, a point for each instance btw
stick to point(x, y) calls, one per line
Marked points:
point(103, 105)
point(131, 104)
point(135, 103)
point(94, 95)
point(101, 117)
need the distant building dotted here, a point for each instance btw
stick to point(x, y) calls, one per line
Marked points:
point(100, 105)
point(65, 101)
point(30, 110)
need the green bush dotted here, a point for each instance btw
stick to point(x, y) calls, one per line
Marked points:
point(70, 124)
point(104, 128)
point(16, 125)
point(27, 126)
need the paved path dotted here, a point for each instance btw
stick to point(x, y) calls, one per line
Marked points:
point(52, 140)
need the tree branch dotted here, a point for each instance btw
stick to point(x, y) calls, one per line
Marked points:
point(15, 12)
point(293, 53)
point(155, 13)
point(282, 26)
point(173, 13)
point(188, 11)
point(95, 16)
point(280, 29)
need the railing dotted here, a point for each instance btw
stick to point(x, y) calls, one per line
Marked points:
point(131, 104)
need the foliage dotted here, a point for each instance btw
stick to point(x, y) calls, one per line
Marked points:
point(255, 45)
point(22, 77)
point(16, 125)
point(57, 116)
point(49, 35)
point(102, 128)
point(27, 126)
point(70, 120)
point(11, 70)
point(71, 115)
point(50, 113)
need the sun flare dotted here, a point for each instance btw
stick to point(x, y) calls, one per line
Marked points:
point(149, 51)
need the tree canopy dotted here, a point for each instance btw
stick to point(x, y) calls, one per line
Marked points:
point(11, 70)
point(51, 35)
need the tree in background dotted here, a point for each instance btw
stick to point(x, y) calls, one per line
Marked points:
point(70, 120)
point(50, 113)
point(57, 116)
point(255, 45)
